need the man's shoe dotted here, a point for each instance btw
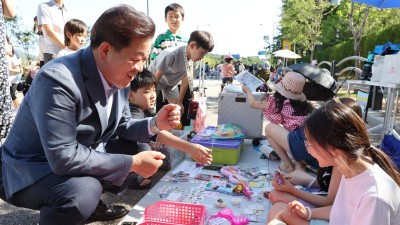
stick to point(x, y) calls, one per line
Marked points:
point(104, 212)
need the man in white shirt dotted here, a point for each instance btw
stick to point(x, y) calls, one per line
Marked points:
point(52, 16)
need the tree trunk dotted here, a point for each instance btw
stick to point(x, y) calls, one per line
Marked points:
point(357, 31)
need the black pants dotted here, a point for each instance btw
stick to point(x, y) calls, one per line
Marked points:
point(186, 101)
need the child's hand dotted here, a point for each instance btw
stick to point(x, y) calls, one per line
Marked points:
point(201, 154)
point(298, 208)
point(284, 187)
point(298, 177)
point(245, 89)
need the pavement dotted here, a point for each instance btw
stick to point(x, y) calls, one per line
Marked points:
point(10, 215)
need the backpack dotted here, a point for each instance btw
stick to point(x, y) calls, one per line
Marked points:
point(367, 68)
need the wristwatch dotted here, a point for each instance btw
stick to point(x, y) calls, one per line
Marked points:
point(153, 125)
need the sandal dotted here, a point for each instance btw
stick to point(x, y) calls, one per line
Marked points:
point(269, 152)
point(140, 183)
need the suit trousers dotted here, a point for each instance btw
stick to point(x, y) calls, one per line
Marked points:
point(62, 200)
point(66, 200)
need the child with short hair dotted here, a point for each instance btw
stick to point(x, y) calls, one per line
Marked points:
point(227, 71)
point(174, 15)
point(142, 100)
point(75, 35)
point(177, 64)
point(14, 71)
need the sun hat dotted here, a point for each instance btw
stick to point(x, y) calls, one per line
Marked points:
point(229, 56)
point(291, 86)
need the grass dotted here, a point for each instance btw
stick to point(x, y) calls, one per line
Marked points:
point(344, 94)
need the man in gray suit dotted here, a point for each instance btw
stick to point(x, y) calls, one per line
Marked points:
point(56, 158)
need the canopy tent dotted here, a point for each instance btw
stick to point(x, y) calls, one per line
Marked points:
point(381, 3)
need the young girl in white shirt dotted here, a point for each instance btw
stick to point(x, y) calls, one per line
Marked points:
point(369, 191)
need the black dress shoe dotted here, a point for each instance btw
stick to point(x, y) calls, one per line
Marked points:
point(104, 212)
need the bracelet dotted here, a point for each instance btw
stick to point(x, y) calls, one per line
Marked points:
point(309, 213)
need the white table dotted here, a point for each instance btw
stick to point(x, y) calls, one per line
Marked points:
point(249, 158)
point(391, 104)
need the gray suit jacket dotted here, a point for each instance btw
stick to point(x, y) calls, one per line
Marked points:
point(61, 121)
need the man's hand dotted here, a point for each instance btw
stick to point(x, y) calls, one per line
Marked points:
point(168, 117)
point(147, 163)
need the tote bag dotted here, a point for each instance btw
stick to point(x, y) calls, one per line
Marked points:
point(390, 72)
point(377, 68)
point(200, 121)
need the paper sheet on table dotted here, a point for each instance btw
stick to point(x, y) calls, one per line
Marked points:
point(249, 80)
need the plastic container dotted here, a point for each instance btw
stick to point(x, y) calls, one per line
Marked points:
point(223, 151)
point(177, 213)
point(173, 156)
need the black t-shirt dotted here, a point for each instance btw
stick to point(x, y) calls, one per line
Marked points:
point(324, 178)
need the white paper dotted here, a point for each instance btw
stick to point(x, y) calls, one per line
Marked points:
point(249, 80)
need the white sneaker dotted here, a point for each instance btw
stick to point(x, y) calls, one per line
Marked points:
point(266, 149)
point(269, 152)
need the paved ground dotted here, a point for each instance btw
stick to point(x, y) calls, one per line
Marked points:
point(10, 215)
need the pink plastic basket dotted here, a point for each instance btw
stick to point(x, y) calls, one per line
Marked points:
point(174, 213)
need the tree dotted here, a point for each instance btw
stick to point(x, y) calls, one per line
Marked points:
point(358, 15)
point(26, 39)
point(335, 27)
point(301, 22)
point(21, 36)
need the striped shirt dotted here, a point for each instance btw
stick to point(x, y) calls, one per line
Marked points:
point(166, 40)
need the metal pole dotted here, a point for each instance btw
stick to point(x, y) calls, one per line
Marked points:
point(147, 7)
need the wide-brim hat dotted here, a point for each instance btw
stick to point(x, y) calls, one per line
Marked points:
point(291, 86)
point(229, 56)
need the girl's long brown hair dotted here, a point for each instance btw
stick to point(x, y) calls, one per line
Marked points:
point(336, 125)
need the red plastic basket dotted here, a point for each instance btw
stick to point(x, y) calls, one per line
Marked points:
point(174, 213)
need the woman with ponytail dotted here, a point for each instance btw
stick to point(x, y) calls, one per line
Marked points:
point(369, 190)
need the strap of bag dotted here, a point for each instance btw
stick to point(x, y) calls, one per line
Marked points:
point(189, 71)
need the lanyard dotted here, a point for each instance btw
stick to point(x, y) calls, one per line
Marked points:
point(189, 71)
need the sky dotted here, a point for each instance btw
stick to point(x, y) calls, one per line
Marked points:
point(238, 26)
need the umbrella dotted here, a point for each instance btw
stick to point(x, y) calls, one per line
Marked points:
point(381, 3)
point(286, 54)
point(321, 85)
